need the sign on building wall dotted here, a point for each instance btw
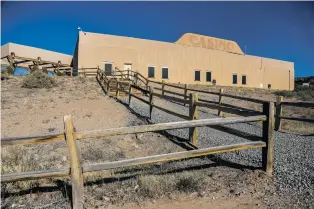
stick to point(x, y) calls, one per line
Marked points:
point(210, 43)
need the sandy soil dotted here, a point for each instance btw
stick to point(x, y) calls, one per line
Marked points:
point(35, 111)
point(244, 202)
point(41, 111)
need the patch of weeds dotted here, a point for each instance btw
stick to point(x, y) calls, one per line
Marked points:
point(46, 121)
point(88, 115)
point(190, 183)
point(38, 79)
point(81, 79)
point(59, 73)
point(301, 92)
point(51, 129)
point(154, 186)
point(94, 153)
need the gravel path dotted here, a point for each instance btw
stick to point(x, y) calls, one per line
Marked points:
point(294, 156)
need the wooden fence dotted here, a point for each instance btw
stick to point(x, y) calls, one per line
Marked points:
point(279, 116)
point(224, 107)
point(219, 105)
point(76, 169)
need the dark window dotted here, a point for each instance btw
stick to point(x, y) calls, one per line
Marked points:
point(108, 69)
point(208, 76)
point(164, 74)
point(197, 76)
point(151, 72)
point(234, 79)
point(244, 79)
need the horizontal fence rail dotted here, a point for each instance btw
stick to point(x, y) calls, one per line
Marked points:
point(32, 175)
point(279, 116)
point(32, 139)
point(172, 156)
point(168, 126)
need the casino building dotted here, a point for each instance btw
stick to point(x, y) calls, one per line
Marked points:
point(193, 59)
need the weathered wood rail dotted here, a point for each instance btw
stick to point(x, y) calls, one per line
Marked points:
point(279, 115)
point(76, 169)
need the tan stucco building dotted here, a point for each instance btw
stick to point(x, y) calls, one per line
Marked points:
point(193, 59)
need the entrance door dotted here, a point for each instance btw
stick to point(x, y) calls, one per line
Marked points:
point(108, 68)
point(127, 67)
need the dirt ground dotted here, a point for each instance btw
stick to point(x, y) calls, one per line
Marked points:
point(173, 185)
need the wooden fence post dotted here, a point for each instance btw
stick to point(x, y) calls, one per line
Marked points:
point(279, 99)
point(135, 78)
point(76, 168)
point(163, 87)
point(185, 92)
point(130, 91)
point(193, 114)
point(118, 90)
point(151, 92)
point(220, 102)
point(268, 138)
point(147, 84)
point(108, 87)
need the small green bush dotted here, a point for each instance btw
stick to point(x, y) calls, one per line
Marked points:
point(38, 79)
point(59, 73)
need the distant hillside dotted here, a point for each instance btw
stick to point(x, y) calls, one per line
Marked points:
point(308, 79)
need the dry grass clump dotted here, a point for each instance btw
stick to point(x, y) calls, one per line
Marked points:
point(189, 183)
point(301, 92)
point(38, 79)
point(153, 186)
point(145, 187)
point(6, 72)
point(15, 159)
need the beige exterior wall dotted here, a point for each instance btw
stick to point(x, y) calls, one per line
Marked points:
point(182, 60)
point(34, 53)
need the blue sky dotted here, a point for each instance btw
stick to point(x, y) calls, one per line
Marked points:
point(279, 30)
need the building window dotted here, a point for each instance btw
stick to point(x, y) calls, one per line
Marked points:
point(234, 79)
point(151, 72)
point(244, 79)
point(164, 73)
point(197, 75)
point(209, 76)
point(108, 68)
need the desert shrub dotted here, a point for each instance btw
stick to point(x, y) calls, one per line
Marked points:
point(285, 93)
point(81, 79)
point(4, 74)
point(38, 79)
point(301, 92)
point(190, 183)
point(59, 73)
point(153, 186)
